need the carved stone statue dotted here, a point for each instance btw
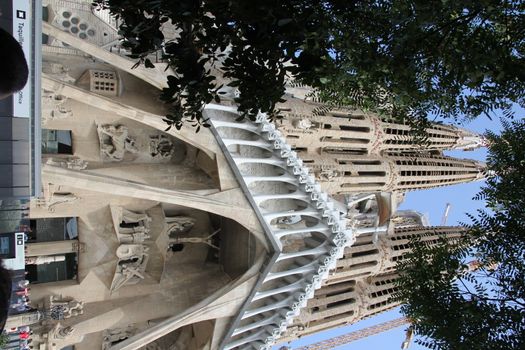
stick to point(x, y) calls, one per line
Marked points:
point(55, 199)
point(68, 163)
point(116, 335)
point(62, 308)
point(63, 332)
point(131, 217)
point(132, 227)
point(53, 107)
point(58, 332)
point(204, 240)
point(115, 141)
point(303, 124)
point(160, 147)
point(328, 174)
point(179, 224)
point(134, 237)
point(58, 71)
point(131, 251)
point(133, 259)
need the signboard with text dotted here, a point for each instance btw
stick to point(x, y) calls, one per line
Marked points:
point(16, 19)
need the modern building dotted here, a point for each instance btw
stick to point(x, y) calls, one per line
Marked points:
point(236, 237)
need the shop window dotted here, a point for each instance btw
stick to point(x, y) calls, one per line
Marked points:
point(52, 229)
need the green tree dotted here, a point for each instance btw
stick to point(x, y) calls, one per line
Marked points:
point(4, 339)
point(457, 307)
point(446, 57)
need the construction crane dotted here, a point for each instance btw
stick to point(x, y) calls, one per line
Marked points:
point(360, 334)
point(445, 214)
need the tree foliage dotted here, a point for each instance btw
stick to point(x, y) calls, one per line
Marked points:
point(454, 307)
point(4, 339)
point(448, 57)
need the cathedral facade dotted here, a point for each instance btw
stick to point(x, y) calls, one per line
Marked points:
point(239, 236)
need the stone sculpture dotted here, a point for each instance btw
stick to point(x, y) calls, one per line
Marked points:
point(133, 259)
point(204, 240)
point(53, 107)
point(179, 224)
point(58, 71)
point(54, 199)
point(116, 335)
point(115, 141)
point(63, 308)
point(160, 147)
point(68, 163)
point(327, 174)
point(303, 124)
point(132, 227)
point(63, 332)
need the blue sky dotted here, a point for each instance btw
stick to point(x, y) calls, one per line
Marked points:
point(431, 202)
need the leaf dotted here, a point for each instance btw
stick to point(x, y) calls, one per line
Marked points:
point(148, 63)
point(284, 21)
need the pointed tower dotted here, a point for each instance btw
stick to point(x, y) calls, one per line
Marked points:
point(313, 129)
point(341, 173)
point(364, 280)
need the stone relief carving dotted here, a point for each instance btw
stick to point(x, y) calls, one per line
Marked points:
point(160, 147)
point(204, 240)
point(303, 124)
point(68, 163)
point(53, 107)
point(328, 174)
point(115, 141)
point(131, 227)
point(131, 266)
point(134, 235)
point(60, 308)
point(116, 335)
point(179, 224)
point(58, 71)
point(54, 199)
point(62, 332)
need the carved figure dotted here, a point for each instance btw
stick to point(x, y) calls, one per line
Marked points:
point(116, 335)
point(303, 124)
point(328, 174)
point(204, 240)
point(133, 259)
point(160, 147)
point(62, 308)
point(53, 106)
point(135, 237)
point(133, 227)
point(58, 71)
point(55, 199)
point(68, 163)
point(179, 224)
point(115, 141)
point(63, 332)
point(130, 217)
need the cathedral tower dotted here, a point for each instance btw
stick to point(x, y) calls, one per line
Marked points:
point(364, 280)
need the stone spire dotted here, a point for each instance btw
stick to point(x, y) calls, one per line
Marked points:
point(341, 173)
point(314, 129)
point(364, 280)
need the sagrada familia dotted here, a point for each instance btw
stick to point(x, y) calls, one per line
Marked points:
point(241, 236)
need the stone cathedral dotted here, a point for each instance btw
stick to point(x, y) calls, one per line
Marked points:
point(241, 236)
